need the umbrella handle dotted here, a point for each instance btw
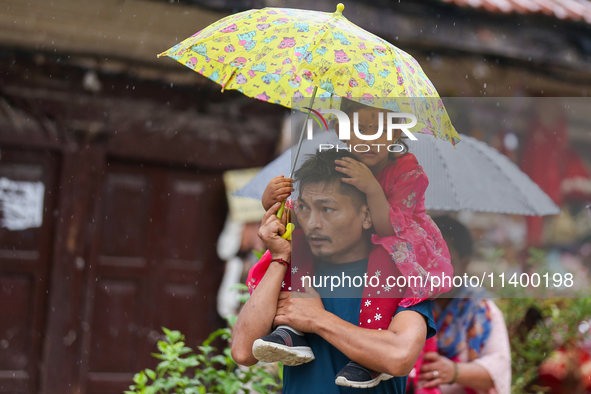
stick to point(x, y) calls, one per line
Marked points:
point(289, 227)
point(280, 212)
point(288, 230)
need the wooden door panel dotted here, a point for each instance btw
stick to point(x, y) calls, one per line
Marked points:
point(115, 321)
point(15, 307)
point(181, 203)
point(180, 297)
point(156, 265)
point(119, 284)
point(27, 188)
point(126, 215)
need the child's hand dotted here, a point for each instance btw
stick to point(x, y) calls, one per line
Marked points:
point(277, 190)
point(359, 174)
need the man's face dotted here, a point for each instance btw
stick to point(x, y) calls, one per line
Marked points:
point(333, 223)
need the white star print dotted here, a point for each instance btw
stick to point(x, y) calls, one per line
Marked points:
point(386, 288)
point(282, 284)
point(294, 270)
point(367, 303)
point(378, 316)
point(378, 273)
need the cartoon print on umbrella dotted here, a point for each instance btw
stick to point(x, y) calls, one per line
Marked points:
point(313, 46)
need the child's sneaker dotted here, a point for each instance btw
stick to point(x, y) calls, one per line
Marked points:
point(286, 345)
point(357, 376)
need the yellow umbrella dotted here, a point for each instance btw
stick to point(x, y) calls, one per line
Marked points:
point(285, 56)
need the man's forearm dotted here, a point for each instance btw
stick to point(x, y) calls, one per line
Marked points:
point(393, 351)
point(256, 318)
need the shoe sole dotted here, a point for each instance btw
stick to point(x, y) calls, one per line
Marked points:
point(270, 352)
point(343, 381)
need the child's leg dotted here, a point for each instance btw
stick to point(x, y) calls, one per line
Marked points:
point(285, 344)
point(375, 314)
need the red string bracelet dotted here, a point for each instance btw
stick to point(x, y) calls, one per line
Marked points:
point(281, 261)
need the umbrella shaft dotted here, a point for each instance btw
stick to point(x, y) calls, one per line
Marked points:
point(295, 159)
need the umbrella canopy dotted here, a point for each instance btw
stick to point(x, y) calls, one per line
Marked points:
point(482, 179)
point(284, 55)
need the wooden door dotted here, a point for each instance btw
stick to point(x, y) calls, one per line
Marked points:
point(27, 203)
point(153, 263)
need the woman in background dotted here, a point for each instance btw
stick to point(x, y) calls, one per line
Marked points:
point(473, 353)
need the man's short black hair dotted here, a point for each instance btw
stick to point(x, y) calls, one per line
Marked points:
point(456, 233)
point(319, 168)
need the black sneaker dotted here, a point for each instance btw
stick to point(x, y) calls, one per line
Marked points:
point(283, 345)
point(357, 376)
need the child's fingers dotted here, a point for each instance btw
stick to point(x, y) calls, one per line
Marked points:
point(277, 196)
point(344, 170)
point(283, 186)
point(349, 160)
point(284, 190)
point(347, 180)
point(342, 163)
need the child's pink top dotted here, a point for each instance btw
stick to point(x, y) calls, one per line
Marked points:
point(418, 248)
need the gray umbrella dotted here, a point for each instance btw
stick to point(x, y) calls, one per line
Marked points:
point(473, 177)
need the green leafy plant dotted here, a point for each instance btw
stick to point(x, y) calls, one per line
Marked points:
point(259, 253)
point(207, 371)
point(538, 326)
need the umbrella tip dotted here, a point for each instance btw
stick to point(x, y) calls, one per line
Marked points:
point(340, 8)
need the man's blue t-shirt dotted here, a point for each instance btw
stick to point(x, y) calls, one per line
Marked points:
point(318, 376)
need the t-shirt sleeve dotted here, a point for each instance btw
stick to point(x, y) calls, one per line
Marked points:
point(425, 308)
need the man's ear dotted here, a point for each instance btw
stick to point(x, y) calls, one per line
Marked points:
point(367, 223)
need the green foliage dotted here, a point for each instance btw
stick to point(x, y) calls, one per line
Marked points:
point(207, 371)
point(259, 253)
point(539, 326)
